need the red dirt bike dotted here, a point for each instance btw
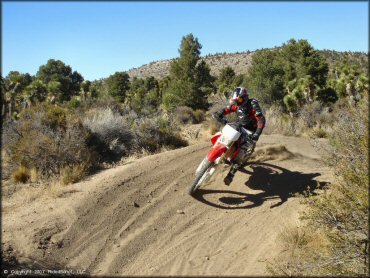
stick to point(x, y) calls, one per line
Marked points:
point(226, 149)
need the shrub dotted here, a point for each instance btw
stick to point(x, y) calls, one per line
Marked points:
point(279, 122)
point(36, 141)
point(318, 133)
point(328, 95)
point(111, 135)
point(199, 116)
point(342, 212)
point(34, 176)
point(54, 117)
point(154, 133)
point(21, 174)
point(290, 103)
point(310, 113)
point(74, 103)
point(72, 174)
point(184, 114)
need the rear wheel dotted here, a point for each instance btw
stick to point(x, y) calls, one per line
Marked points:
point(201, 176)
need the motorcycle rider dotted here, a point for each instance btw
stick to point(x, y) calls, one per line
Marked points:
point(250, 117)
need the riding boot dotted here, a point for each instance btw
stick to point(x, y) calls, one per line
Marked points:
point(229, 178)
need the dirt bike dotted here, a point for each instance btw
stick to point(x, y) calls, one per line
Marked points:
point(226, 149)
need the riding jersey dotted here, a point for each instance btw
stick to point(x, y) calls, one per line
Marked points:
point(249, 114)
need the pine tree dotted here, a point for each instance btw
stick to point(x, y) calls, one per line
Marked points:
point(190, 81)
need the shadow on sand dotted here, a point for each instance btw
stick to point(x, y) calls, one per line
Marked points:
point(275, 182)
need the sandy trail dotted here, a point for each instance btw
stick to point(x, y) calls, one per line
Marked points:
point(138, 219)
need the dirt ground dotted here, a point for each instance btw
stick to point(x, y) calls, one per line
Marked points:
point(138, 219)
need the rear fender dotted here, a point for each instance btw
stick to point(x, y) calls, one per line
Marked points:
point(216, 151)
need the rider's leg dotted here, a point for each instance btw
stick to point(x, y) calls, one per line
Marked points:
point(246, 150)
point(229, 178)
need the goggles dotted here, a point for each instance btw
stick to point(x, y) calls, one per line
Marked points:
point(239, 100)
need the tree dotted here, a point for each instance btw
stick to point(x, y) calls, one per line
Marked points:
point(57, 71)
point(3, 90)
point(265, 79)
point(296, 66)
point(54, 91)
point(76, 81)
point(303, 63)
point(35, 92)
point(14, 84)
point(118, 85)
point(15, 78)
point(85, 88)
point(190, 81)
point(225, 81)
point(144, 94)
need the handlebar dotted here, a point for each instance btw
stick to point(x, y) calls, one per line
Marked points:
point(225, 121)
point(219, 119)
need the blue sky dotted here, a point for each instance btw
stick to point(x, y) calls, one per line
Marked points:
point(100, 38)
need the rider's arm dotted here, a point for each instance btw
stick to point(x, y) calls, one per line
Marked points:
point(259, 116)
point(232, 107)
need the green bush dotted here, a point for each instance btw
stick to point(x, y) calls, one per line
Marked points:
point(54, 117)
point(290, 103)
point(74, 103)
point(47, 139)
point(327, 95)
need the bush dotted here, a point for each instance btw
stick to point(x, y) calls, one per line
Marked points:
point(318, 133)
point(37, 141)
point(74, 103)
point(184, 114)
point(21, 174)
point(52, 140)
point(154, 133)
point(290, 103)
point(341, 213)
point(53, 116)
point(310, 113)
point(111, 135)
point(199, 116)
point(281, 123)
point(72, 174)
point(328, 95)
point(214, 126)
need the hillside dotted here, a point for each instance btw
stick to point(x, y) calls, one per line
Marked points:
point(240, 62)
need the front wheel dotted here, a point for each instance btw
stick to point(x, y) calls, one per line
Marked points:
point(201, 176)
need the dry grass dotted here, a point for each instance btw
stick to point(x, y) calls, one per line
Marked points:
point(318, 132)
point(72, 174)
point(304, 249)
point(29, 193)
point(34, 176)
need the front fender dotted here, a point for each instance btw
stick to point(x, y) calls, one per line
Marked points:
point(216, 151)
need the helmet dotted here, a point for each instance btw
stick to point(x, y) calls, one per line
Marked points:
point(240, 95)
